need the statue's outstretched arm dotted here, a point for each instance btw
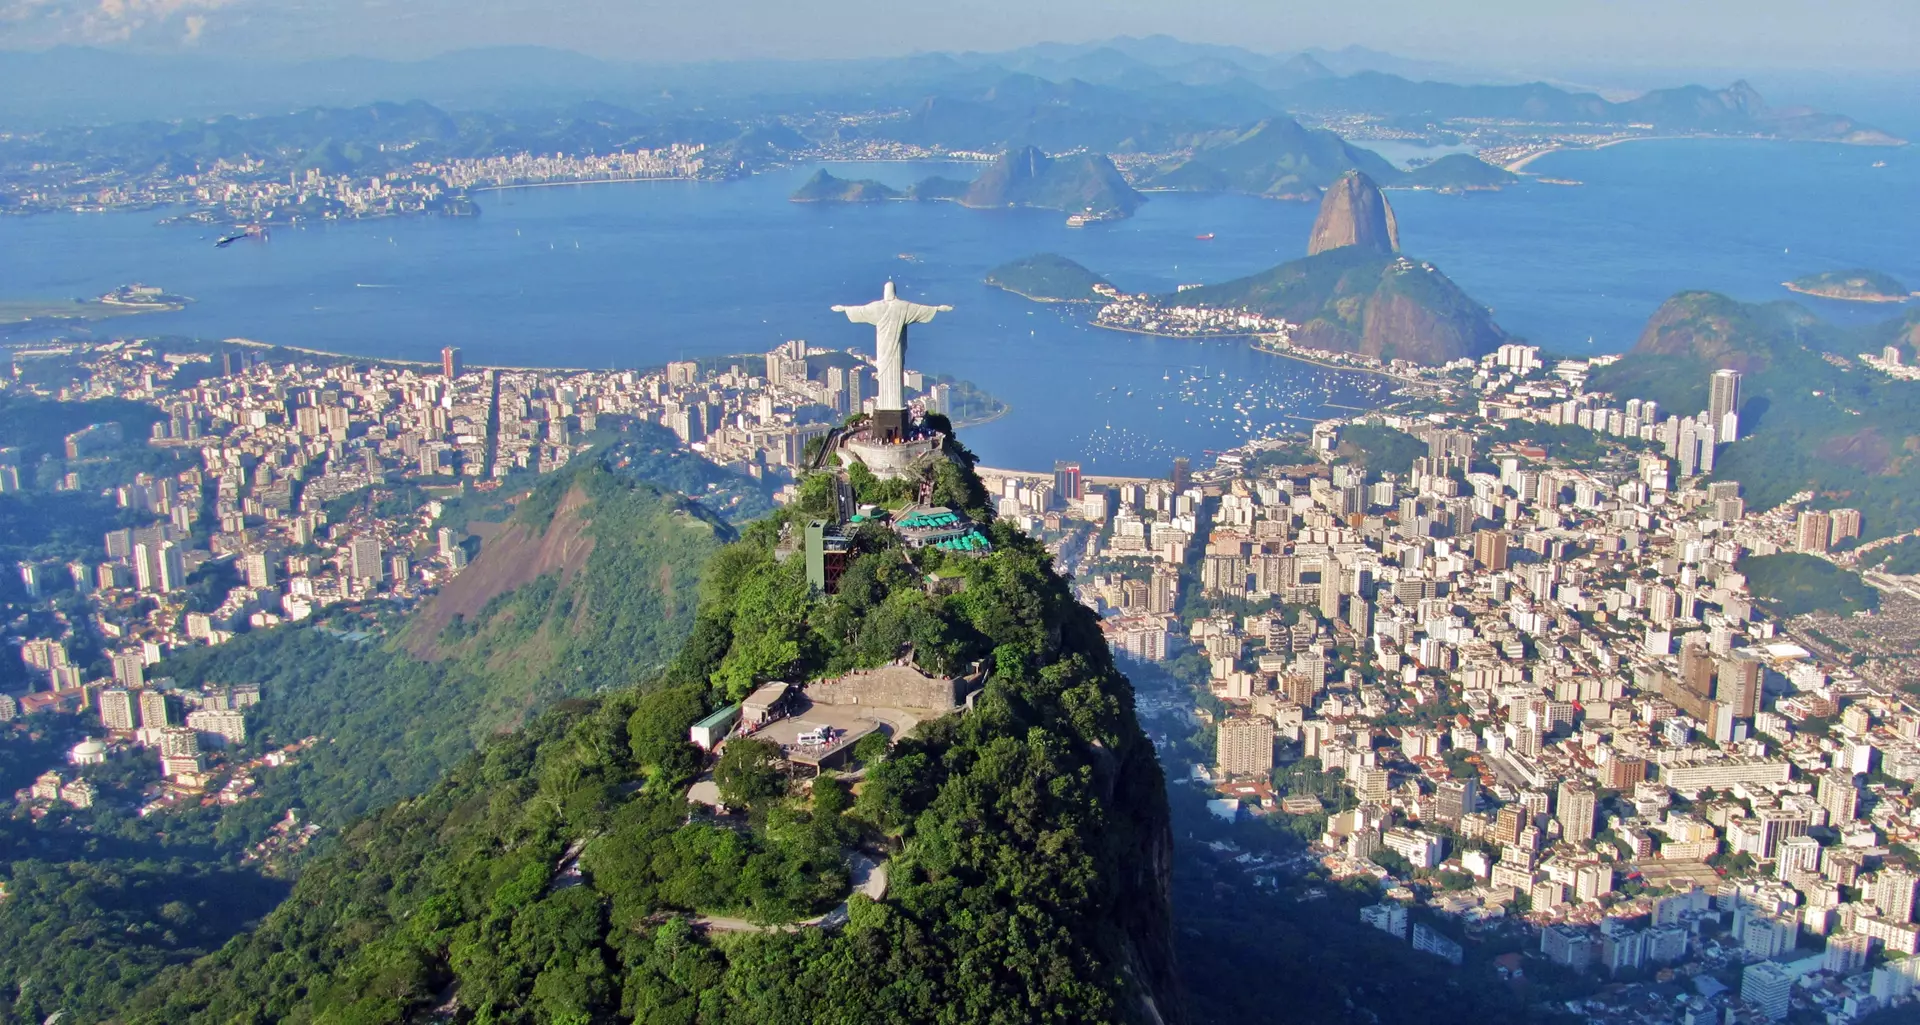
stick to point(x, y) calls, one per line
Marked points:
point(921, 314)
point(859, 314)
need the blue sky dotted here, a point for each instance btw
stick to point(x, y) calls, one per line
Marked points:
point(1517, 35)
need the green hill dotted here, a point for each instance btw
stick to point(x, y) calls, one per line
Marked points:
point(1792, 584)
point(1859, 285)
point(937, 187)
point(1458, 172)
point(1811, 417)
point(1047, 277)
point(1351, 299)
point(554, 876)
point(612, 592)
point(823, 187)
point(1275, 157)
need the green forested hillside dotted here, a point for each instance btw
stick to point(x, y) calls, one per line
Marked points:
point(1350, 299)
point(1274, 157)
point(147, 892)
point(1047, 277)
point(1812, 416)
point(1458, 172)
point(1792, 584)
point(1027, 838)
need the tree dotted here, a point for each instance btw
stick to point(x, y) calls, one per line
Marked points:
point(831, 796)
point(657, 730)
point(871, 748)
point(747, 773)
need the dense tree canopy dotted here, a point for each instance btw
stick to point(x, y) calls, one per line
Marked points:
point(555, 876)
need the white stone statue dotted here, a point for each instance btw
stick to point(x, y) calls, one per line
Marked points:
point(890, 317)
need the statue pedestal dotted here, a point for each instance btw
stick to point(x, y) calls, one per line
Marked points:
point(889, 425)
point(895, 459)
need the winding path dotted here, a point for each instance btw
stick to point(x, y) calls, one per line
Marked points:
point(869, 877)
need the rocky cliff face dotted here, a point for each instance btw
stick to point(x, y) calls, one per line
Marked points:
point(1354, 213)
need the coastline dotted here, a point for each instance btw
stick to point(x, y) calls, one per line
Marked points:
point(1797, 290)
point(587, 181)
point(1037, 298)
point(1324, 365)
point(1559, 147)
point(1162, 334)
point(1519, 165)
point(1253, 343)
point(1005, 408)
point(304, 350)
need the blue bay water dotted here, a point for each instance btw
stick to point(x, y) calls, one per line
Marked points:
point(635, 274)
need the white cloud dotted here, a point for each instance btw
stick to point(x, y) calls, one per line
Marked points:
point(49, 22)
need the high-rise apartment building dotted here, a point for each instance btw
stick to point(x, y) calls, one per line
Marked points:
point(1892, 893)
point(1066, 482)
point(1814, 531)
point(1457, 798)
point(1244, 746)
point(154, 713)
point(1574, 811)
point(1846, 524)
point(1723, 400)
point(1737, 683)
point(1490, 549)
point(1330, 593)
point(129, 669)
point(116, 709)
point(1509, 822)
point(1163, 590)
point(158, 566)
point(257, 566)
point(1838, 796)
point(1769, 987)
point(450, 362)
point(365, 553)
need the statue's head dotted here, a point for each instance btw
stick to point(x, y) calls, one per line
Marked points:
point(887, 292)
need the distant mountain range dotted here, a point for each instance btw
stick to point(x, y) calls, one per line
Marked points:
point(1122, 95)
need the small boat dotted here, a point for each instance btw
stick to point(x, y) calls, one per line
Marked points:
point(1208, 237)
point(1879, 163)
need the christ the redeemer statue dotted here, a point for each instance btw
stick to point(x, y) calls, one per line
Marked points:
point(890, 317)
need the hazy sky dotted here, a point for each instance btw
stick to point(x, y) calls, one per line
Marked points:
point(1865, 35)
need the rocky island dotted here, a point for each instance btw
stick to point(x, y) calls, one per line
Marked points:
point(1859, 285)
point(1354, 293)
point(1049, 278)
point(824, 187)
point(1085, 184)
point(1455, 173)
